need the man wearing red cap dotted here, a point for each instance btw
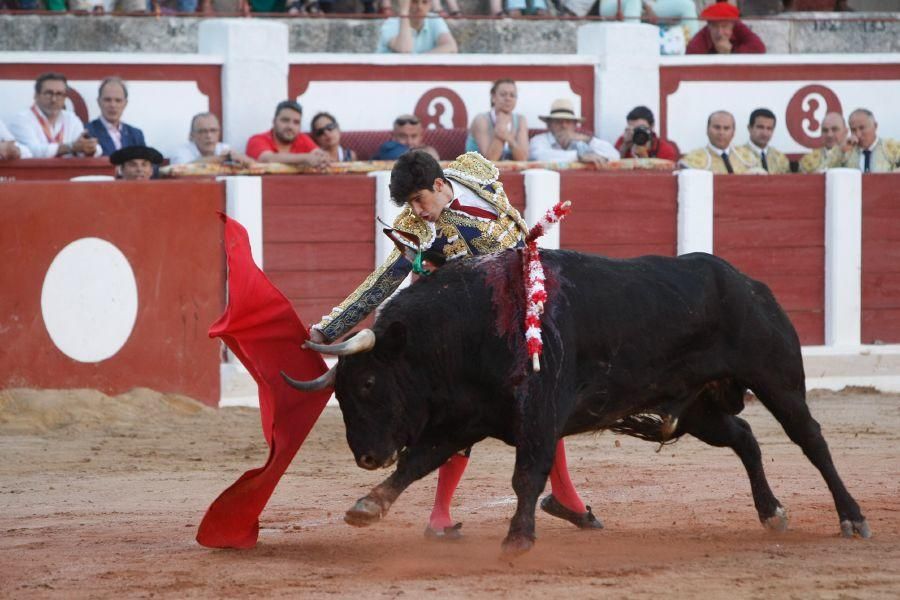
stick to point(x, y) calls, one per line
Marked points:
point(724, 33)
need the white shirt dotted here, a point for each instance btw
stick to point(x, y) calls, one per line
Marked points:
point(188, 153)
point(28, 132)
point(545, 147)
point(862, 157)
point(114, 131)
point(6, 136)
point(467, 197)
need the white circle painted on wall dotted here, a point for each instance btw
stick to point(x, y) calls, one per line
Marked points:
point(89, 300)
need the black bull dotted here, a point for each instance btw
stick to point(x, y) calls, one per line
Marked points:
point(653, 347)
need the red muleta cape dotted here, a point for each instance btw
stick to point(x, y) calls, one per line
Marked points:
point(261, 328)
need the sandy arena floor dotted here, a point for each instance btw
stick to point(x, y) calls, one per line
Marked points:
point(101, 497)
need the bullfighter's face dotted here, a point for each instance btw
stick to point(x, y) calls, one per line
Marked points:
point(761, 131)
point(720, 130)
point(428, 204)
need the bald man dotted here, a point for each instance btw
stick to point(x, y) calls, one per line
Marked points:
point(864, 150)
point(834, 135)
point(719, 156)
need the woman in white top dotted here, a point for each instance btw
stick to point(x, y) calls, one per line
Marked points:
point(500, 134)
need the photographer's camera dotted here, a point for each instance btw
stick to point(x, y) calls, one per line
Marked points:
point(641, 136)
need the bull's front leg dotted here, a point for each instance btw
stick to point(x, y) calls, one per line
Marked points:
point(416, 463)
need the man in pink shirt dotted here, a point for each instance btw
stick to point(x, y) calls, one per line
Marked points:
point(724, 33)
point(284, 143)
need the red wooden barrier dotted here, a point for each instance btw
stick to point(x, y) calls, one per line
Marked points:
point(620, 214)
point(773, 229)
point(880, 259)
point(172, 239)
point(54, 168)
point(318, 233)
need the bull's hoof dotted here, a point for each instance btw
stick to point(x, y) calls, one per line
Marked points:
point(777, 522)
point(516, 546)
point(365, 512)
point(851, 528)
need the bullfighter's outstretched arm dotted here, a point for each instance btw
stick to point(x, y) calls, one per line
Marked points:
point(377, 287)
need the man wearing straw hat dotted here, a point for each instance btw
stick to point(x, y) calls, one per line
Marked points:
point(563, 143)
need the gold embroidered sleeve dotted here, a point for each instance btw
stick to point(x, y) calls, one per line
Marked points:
point(696, 159)
point(813, 162)
point(377, 287)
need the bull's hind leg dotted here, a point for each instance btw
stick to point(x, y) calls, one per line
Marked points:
point(790, 409)
point(716, 428)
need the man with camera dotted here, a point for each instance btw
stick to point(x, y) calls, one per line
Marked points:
point(639, 140)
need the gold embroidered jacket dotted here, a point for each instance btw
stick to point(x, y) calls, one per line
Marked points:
point(777, 162)
point(709, 159)
point(455, 234)
point(820, 160)
point(885, 157)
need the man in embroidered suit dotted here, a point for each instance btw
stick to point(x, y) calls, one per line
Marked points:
point(111, 133)
point(452, 213)
point(834, 135)
point(765, 157)
point(864, 150)
point(47, 129)
point(719, 156)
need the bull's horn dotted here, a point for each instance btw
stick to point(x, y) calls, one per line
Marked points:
point(326, 380)
point(361, 342)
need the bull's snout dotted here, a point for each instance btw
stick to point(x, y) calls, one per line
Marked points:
point(367, 462)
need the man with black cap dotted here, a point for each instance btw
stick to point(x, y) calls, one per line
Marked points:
point(136, 163)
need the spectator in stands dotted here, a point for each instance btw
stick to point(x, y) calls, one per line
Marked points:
point(719, 156)
point(864, 150)
point(834, 134)
point(111, 133)
point(284, 143)
point(452, 8)
point(646, 144)
point(500, 134)
point(766, 158)
point(406, 135)
point(204, 145)
point(517, 8)
point(47, 128)
point(724, 33)
point(667, 10)
point(135, 163)
point(564, 144)
point(10, 149)
point(416, 31)
point(327, 134)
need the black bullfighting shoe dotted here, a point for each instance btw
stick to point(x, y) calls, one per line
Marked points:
point(585, 520)
point(447, 534)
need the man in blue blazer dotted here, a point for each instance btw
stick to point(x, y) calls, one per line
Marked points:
point(110, 131)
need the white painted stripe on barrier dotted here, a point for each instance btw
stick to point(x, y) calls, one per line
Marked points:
point(843, 257)
point(542, 194)
point(695, 211)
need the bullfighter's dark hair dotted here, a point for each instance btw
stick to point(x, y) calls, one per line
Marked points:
point(39, 82)
point(641, 112)
point(416, 170)
point(291, 104)
point(761, 112)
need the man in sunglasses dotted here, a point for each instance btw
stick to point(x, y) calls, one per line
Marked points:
point(407, 135)
point(448, 214)
point(47, 128)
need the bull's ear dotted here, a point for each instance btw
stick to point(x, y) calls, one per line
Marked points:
point(392, 341)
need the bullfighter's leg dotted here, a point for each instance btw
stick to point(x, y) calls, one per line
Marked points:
point(417, 462)
point(720, 429)
point(790, 409)
point(440, 524)
point(563, 501)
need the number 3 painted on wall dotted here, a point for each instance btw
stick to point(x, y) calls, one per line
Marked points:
point(806, 111)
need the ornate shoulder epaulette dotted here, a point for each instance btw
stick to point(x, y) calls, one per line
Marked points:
point(474, 169)
point(697, 159)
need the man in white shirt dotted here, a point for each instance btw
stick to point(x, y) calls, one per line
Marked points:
point(204, 145)
point(564, 144)
point(47, 129)
point(10, 149)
